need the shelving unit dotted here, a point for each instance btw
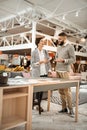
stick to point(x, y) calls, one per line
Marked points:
point(13, 122)
point(80, 54)
point(81, 57)
point(13, 107)
point(14, 95)
point(79, 49)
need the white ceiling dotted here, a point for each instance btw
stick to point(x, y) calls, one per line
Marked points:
point(50, 10)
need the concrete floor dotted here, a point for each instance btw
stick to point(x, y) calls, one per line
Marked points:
point(53, 120)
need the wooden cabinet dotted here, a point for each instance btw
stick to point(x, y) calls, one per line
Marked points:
point(13, 107)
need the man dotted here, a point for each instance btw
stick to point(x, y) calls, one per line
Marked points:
point(40, 63)
point(65, 56)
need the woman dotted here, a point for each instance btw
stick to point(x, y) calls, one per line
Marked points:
point(40, 63)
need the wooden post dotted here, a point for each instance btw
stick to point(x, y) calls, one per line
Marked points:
point(29, 108)
point(77, 101)
point(1, 100)
point(48, 105)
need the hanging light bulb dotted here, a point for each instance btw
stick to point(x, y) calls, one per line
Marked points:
point(77, 13)
point(83, 39)
point(64, 16)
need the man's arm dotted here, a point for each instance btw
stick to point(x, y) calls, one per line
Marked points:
point(72, 57)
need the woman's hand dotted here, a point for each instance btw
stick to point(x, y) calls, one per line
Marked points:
point(43, 61)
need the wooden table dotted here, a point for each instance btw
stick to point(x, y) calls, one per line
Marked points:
point(16, 101)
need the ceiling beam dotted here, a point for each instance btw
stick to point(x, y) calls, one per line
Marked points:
point(16, 47)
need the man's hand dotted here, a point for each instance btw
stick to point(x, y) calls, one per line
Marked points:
point(49, 74)
point(60, 60)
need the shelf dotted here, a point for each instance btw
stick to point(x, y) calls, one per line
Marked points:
point(81, 54)
point(74, 43)
point(14, 95)
point(12, 122)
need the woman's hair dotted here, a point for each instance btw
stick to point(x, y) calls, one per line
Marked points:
point(38, 40)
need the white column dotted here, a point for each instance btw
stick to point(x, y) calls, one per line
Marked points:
point(33, 35)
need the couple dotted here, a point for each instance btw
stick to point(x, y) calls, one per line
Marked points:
point(40, 63)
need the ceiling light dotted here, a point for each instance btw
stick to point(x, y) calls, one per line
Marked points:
point(3, 29)
point(77, 13)
point(20, 19)
point(83, 39)
point(64, 16)
point(29, 22)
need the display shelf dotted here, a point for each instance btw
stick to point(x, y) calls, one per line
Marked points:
point(12, 122)
point(13, 106)
point(81, 54)
point(14, 95)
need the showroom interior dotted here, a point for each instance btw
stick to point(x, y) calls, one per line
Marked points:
point(21, 23)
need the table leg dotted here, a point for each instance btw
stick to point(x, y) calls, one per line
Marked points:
point(77, 101)
point(1, 103)
point(48, 105)
point(29, 108)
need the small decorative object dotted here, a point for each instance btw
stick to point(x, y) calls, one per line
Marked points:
point(3, 77)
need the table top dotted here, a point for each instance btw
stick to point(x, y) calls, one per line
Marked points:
point(12, 82)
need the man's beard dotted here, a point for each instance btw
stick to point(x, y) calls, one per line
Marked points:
point(61, 43)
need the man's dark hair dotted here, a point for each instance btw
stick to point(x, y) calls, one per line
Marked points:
point(62, 34)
